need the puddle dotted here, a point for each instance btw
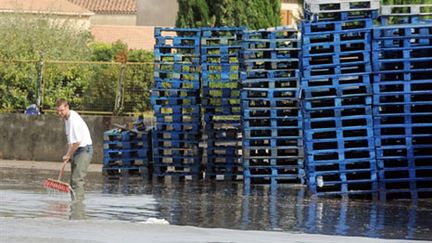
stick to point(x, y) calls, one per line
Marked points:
point(216, 205)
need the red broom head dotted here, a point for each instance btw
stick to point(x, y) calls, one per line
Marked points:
point(57, 185)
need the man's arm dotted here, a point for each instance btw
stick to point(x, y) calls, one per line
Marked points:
point(71, 150)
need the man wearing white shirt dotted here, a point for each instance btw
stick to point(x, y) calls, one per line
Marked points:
point(80, 148)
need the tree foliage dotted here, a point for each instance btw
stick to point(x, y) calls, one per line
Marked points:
point(192, 13)
point(254, 14)
point(26, 41)
point(71, 67)
point(401, 2)
point(136, 84)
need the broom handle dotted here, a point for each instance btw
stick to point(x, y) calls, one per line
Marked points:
point(61, 171)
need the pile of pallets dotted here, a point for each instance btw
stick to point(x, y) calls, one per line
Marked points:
point(175, 100)
point(402, 58)
point(220, 65)
point(342, 104)
point(272, 139)
point(337, 102)
point(127, 152)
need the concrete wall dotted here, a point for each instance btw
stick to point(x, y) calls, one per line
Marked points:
point(157, 12)
point(43, 137)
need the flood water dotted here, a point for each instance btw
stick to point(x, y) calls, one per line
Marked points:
point(215, 204)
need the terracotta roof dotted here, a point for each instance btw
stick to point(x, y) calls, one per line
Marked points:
point(108, 6)
point(136, 37)
point(62, 7)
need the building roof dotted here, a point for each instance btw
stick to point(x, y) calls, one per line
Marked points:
point(108, 6)
point(62, 7)
point(136, 37)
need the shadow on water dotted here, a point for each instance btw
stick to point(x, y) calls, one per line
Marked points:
point(217, 204)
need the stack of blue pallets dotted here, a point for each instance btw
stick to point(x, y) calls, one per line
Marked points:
point(127, 152)
point(220, 61)
point(337, 101)
point(272, 139)
point(402, 57)
point(175, 100)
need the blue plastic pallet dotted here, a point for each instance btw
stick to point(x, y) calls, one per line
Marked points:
point(178, 118)
point(287, 53)
point(169, 31)
point(333, 27)
point(286, 152)
point(270, 83)
point(339, 132)
point(222, 92)
point(262, 75)
point(126, 162)
point(176, 109)
point(405, 31)
point(186, 53)
point(176, 135)
point(402, 87)
point(166, 73)
point(340, 15)
point(347, 187)
point(272, 64)
point(177, 58)
point(178, 127)
point(174, 101)
point(176, 167)
point(125, 153)
point(415, 52)
point(331, 59)
point(340, 47)
point(345, 90)
point(216, 102)
point(175, 84)
point(334, 167)
point(274, 141)
point(274, 178)
point(116, 171)
point(336, 71)
point(126, 136)
point(173, 93)
point(184, 68)
point(133, 144)
point(337, 38)
point(339, 144)
point(413, 101)
point(272, 122)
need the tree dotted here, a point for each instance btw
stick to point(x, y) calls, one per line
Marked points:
point(137, 82)
point(406, 2)
point(192, 13)
point(254, 14)
point(263, 13)
point(26, 41)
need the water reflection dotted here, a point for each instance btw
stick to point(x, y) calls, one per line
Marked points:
point(217, 204)
point(229, 205)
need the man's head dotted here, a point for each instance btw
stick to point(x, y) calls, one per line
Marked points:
point(62, 108)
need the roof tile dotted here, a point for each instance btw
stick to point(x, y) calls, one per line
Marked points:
point(108, 6)
point(43, 6)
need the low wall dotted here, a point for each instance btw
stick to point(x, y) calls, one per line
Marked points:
point(43, 137)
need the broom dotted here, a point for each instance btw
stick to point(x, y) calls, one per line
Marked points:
point(58, 185)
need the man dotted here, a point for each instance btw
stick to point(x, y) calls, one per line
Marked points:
point(80, 149)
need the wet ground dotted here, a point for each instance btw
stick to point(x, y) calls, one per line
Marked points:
point(214, 205)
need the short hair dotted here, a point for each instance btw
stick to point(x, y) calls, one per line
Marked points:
point(61, 102)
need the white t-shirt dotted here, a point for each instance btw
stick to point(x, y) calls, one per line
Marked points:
point(77, 130)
